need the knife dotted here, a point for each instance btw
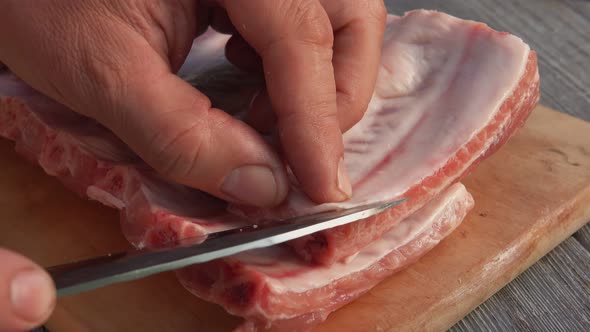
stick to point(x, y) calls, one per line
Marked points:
point(85, 275)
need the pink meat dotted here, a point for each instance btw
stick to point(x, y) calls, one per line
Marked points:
point(90, 161)
point(449, 93)
point(276, 291)
point(426, 125)
point(94, 163)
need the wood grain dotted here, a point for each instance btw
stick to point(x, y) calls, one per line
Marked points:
point(541, 299)
point(497, 241)
point(583, 237)
point(517, 219)
point(527, 308)
point(558, 31)
point(51, 225)
point(529, 293)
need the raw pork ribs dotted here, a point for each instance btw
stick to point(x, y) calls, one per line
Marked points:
point(449, 93)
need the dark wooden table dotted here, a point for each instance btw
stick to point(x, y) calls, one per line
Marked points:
point(554, 294)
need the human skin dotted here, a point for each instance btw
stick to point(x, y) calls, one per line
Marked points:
point(115, 61)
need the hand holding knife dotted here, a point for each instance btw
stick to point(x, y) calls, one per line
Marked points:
point(98, 272)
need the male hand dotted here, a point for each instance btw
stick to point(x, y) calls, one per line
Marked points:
point(115, 61)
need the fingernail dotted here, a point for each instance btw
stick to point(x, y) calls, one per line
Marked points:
point(32, 295)
point(251, 185)
point(343, 180)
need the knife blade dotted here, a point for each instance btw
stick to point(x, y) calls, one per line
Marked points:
point(85, 275)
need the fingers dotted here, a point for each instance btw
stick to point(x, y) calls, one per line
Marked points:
point(116, 70)
point(27, 293)
point(294, 39)
point(174, 129)
point(359, 26)
point(358, 33)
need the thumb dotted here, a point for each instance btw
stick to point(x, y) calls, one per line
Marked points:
point(27, 293)
point(172, 126)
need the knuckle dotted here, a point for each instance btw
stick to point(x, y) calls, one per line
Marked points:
point(311, 22)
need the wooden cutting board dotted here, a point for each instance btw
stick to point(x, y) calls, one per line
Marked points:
point(530, 196)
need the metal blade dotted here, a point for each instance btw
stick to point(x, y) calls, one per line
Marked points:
point(102, 271)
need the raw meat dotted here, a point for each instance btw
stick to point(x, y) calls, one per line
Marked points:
point(94, 163)
point(427, 124)
point(91, 161)
point(276, 291)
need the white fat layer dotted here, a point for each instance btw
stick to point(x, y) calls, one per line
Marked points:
point(305, 278)
point(424, 109)
point(104, 197)
point(426, 105)
point(441, 81)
